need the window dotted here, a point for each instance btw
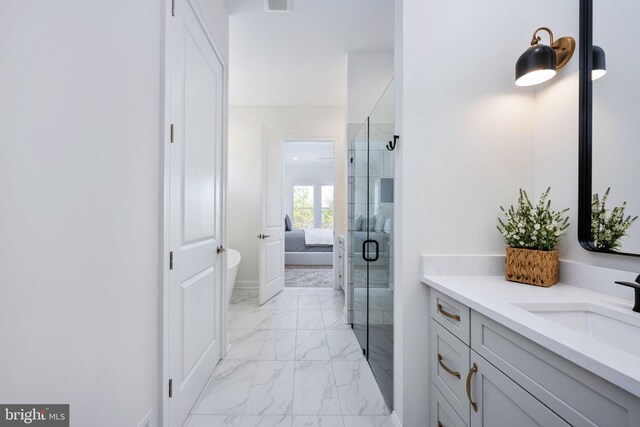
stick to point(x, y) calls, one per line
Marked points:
point(302, 206)
point(313, 206)
point(327, 206)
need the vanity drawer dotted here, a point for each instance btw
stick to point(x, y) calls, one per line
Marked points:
point(449, 366)
point(578, 396)
point(451, 314)
point(442, 414)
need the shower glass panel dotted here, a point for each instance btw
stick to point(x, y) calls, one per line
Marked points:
point(358, 221)
point(371, 224)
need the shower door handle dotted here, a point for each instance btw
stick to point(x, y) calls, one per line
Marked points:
point(364, 250)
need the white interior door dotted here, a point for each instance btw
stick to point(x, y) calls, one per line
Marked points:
point(195, 212)
point(271, 237)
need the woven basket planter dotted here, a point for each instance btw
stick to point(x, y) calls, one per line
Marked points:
point(539, 268)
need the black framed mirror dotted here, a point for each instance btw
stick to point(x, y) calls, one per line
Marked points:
point(609, 146)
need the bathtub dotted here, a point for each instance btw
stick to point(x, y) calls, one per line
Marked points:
point(233, 262)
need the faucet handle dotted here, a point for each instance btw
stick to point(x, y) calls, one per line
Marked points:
point(636, 287)
point(631, 284)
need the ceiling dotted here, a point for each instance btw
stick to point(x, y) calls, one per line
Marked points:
point(308, 154)
point(300, 57)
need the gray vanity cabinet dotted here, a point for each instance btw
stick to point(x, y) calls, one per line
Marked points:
point(449, 367)
point(442, 413)
point(577, 395)
point(484, 374)
point(502, 402)
point(492, 399)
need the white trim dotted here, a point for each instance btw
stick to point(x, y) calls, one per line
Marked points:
point(164, 247)
point(163, 313)
point(246, 284)
point(395, 419)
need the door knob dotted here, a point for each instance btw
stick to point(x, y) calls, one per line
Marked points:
point(263, 236)
point(220, 249)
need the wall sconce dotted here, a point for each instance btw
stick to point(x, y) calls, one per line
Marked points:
point(599, 67)
point(540, 62)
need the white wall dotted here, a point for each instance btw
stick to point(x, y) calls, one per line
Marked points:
point(368, 75)
point(79, 167)
point(80, 146)
point(245, 125)
point(466, 146)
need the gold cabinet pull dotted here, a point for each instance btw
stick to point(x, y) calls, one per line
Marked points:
point(446, 314)
point(446, 368)
point(472, 371)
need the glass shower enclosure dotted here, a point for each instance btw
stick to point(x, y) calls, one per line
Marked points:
point(370, 240)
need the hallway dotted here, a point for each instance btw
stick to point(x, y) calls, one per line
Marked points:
point(292, 363)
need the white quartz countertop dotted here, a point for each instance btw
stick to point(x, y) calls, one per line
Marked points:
point(494, 297)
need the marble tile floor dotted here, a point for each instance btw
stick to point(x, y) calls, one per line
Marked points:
point(292, 363)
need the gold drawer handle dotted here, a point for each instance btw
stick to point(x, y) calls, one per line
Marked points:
point(446, 314)
point(446, 368)
point(473, 370)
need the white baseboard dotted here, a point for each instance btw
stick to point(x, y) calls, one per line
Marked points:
point(395, 419)
point(246, 284)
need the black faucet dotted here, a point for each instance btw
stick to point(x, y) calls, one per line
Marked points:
point(636, 286)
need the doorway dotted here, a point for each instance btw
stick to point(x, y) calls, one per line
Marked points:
point(308, 189)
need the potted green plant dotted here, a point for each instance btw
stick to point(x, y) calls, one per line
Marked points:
point(608, 227)
point(532, 234)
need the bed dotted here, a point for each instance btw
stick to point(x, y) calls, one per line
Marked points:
point(298, 252)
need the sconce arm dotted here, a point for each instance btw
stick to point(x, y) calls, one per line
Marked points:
point(536, 38)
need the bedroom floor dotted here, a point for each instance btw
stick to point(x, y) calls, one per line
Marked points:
point(293, 362)
point(308, 277)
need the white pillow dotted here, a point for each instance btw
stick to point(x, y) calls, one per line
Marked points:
point(357, 224)
point(380, 221)
point(372, 224)
point(387, 226)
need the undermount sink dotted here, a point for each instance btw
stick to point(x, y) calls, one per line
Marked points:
point(612, 327)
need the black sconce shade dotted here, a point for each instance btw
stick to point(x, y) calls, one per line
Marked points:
point(539, 63)
point(536, 65)
point(599, 68)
